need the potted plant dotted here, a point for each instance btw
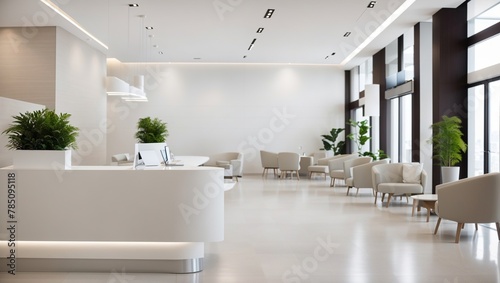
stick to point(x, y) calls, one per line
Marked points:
point(39, 137)
point(360, 137)
point(151, 135)
point(448, 146)
point(329, 142)
point(151, 130)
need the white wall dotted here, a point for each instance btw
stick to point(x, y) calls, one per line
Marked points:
point(80, 91)
point(216, 108)
point(8, 108)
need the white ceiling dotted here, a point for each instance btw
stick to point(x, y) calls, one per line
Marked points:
point(220, 31)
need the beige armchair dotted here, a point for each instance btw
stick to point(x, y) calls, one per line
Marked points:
point(398, 179)
point(289, 162)
point(320, 166)
point(122, 159)
point(471, 200)
point(232, 162)
point(336, 167)
point(269, 160)
point(362, 176)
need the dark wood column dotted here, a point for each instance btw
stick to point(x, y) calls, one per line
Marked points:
point(449, 59)
point(415, 98)
point(347, 108)
point(385, 113)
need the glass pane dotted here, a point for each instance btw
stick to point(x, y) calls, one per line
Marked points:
point(394, 151)
point(475, 139)
point(494, 130)
point(406, 141)
point(486, 18)
point(354, 84)
point(484, 54)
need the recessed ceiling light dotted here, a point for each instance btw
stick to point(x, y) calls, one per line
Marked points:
point(156, 45)
point(197, 58)
point(269, 13)
point(347, 34)
point(326, 57)
point(371, 4)
point(160, 52)
point(251, 44)
point(244, 56)
point(333, 53)
point(148, 28)
point(260, 30)
point(133, 5)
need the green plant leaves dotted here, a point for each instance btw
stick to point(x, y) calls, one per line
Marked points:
point(329, 141)
point(447, 141)
point(151, 130)
point(41, 130)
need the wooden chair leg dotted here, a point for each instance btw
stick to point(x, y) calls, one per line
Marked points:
point(383, 197)
point(437, 226)
point(357, 191)
point(348, 188)
point(459, 229)
point(297, 173)
point(476, 227)
point(376, 196)
point(389, 199)
point(332, 182)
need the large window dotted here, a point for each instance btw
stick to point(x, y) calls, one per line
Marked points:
point(401, 138)
point(476, 131)
point(494, 126)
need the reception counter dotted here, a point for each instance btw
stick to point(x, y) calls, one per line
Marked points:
point(104, 218)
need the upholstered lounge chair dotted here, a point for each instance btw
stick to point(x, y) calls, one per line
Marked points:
point(398, 179)
point(362, 176)
point(232, 162)
point(269, 160)
point(471, 200)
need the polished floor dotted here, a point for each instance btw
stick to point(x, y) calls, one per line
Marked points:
point(304, 231)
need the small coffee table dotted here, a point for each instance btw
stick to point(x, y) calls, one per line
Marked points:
point(426, 200)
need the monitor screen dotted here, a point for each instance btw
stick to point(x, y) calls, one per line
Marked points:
point(154, 153)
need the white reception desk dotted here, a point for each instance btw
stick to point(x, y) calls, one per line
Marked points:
point(105, 218)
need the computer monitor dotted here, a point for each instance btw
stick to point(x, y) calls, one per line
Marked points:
point(151, 154)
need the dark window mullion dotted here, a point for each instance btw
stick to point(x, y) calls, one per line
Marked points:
point(487, 152)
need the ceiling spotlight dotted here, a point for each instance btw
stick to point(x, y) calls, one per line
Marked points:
point(260, 30)
point(347, 34)
point(269, 13)
point(371, 4)
point(133, 5)
point(148, 28)
point(326, 57)
point(160, 52)
point(244, 56)
point(155, 45)
point(333, 53)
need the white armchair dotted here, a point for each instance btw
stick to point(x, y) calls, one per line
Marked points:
point(398, 179)
point(471, 200)
point(289, 162)
point(269, 160)
point(232, 162)
point(336, 167)
point(362, 176)
point(122, 159)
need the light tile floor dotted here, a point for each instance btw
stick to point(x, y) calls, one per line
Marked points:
point(304, 231)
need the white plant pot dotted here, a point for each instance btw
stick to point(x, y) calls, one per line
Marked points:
point(42, 159)
point(450, 174)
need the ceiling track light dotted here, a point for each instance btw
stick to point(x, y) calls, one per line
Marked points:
point(133, 5)
point(371, 4)
point(326, 57)
point(269, 13)
point(333, 53)
point(347, 34)
point(149, 28)
point(260, 30)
